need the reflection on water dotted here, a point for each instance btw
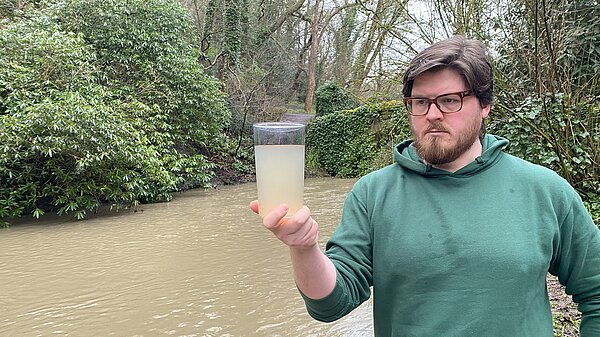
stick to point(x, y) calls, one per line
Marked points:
point(201, 265)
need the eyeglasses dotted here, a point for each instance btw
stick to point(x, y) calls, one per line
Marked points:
point(446, 103)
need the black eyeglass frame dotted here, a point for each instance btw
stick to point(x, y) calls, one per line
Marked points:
point(461, 94)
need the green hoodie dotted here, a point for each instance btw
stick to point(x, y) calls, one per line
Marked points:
point(463, 253)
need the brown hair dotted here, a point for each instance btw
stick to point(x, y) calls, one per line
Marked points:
point(466, 56)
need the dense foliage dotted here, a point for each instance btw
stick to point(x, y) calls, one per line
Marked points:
point(331, 97)
point(103, 101)
point(147, 52)
point(351, 143)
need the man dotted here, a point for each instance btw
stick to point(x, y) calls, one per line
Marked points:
point(455, 238)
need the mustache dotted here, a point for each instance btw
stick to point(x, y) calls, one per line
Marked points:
point(435, 126)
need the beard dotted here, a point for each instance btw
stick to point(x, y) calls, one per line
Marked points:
point(439, 151)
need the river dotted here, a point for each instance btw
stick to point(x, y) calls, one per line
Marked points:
point(200, 265)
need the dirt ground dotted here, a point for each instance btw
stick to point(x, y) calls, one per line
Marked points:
point(564, 312)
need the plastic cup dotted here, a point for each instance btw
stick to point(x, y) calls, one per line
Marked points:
point(279, 159)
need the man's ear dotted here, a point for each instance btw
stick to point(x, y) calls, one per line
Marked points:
point(485, 110)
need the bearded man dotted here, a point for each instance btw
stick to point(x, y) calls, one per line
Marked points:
point(456, 237)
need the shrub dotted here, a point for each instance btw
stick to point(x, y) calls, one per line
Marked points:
point(7, 8)
point(103, 102)
point(149, 53)
point(66, 142)
point(351, 143)
point(330, 98)
point(70, 153)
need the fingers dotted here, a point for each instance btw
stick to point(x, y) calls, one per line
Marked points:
point(307, 236)
point(302, 215)
point(275, 217)
point(254, 206)
point(300, 230)
point(300, 223)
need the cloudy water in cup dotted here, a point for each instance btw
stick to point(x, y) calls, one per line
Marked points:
point(279, 177)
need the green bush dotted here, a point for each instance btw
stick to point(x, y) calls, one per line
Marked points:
point(351, 143)
point(325, 136)
point(103, 101)
point(66, 142)
point(148, 52)
point(330, 98)
point(7, 8)
point(72, 152)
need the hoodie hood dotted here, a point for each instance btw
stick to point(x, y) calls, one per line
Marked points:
point(406, 156)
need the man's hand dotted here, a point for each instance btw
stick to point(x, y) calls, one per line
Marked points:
point(299, 231)
point(314, 273)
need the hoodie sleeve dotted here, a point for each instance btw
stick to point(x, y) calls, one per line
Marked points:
point(576, 262)
point(350, 250)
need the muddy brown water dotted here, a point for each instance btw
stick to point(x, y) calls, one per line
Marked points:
point(201, 265)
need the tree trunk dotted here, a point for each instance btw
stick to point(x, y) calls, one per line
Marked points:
point(312, 57)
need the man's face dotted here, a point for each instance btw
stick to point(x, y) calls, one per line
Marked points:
point(445, 138)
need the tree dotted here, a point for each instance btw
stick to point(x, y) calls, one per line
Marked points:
point(380, 22)
point(344, 40)
point(313, 56)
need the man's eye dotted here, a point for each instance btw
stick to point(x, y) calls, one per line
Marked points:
point(448, 100)
point(419, 102)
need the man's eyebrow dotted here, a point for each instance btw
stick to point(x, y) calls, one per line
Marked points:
point(442, 94)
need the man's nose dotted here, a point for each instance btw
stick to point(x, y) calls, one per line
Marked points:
point(434, 112)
